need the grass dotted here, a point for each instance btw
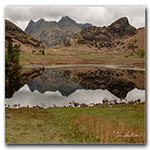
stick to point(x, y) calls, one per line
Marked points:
point(76, 125)
point(74, 55)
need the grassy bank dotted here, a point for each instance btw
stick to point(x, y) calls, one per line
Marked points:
point(118, 124)
point(81, 56)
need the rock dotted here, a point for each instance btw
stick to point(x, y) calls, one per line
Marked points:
point(130, 102)
point(117, 101)
point(138, 100)
point(135, 101)
point(98, 104)
point(54, 105)
point(122, 102)
point(92, 104)
point(15, 105)
point(75, 104)
point(83, 105)
point(111, 103)
point(105, 100)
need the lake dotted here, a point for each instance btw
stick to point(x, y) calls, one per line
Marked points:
point(25, 97)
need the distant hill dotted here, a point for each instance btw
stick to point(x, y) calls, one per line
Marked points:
point(53, 33)
point(119, 36)
point(27, 42)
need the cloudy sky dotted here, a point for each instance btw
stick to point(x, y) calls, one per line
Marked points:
point(96, 15)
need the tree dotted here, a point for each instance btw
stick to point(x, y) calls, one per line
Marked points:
point(12, 67)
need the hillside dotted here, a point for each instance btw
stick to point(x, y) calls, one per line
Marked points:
point(27, 42)
point(92, 45)
point(119, 37)
point(53, 33)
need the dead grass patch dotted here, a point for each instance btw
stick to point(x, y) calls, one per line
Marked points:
point(91, 129)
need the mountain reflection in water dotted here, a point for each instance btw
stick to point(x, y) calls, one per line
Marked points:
point(25, 97)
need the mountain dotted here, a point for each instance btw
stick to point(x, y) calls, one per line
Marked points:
point(120, 36)
point(121, 27)
point(53, 33)
point(18, 36)
point(53, 80)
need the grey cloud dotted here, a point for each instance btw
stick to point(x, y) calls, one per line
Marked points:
point(133, 13)
point(98, 16)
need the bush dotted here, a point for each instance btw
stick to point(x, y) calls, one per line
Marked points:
point(131, 54)
point(135, 40)
point(43, 52)
point(141, 52)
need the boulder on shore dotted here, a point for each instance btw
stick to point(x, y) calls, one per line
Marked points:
point(105, 100)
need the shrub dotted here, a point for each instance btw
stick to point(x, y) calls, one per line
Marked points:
point(141, 52)
point(43, 52)
point(131, 54)
point(135, 40)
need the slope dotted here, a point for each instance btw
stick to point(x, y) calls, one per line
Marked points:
point(20, 37)
point(53, 33)
point(119, 37)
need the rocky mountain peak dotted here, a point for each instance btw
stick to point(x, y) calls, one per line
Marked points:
point(30, 26)
point(122, 21)
point(66, 21)
point(31, 22)
point(121, 27)
point(41, 21)
point(65, 18)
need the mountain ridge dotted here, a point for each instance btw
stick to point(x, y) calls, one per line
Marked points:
point(52, 33)
point(118, 36)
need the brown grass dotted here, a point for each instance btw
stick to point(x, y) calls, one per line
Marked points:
point(91, 129)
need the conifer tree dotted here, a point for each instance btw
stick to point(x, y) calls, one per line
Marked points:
point(12, 67)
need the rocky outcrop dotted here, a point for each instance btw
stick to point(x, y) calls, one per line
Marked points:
point(53, 80)
point(121, 27)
